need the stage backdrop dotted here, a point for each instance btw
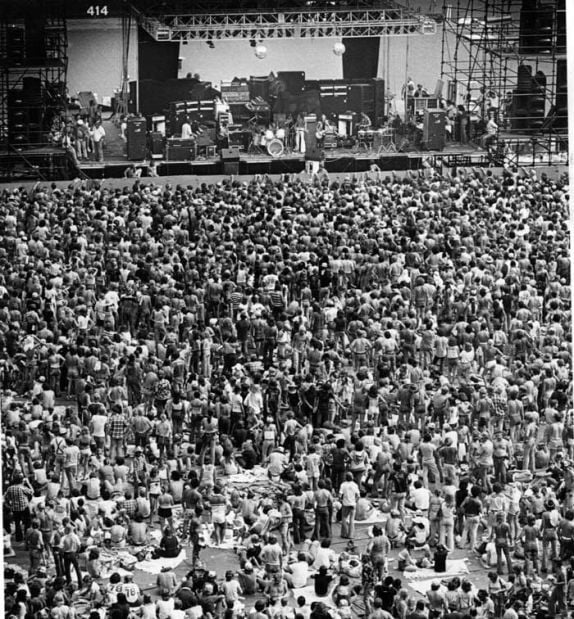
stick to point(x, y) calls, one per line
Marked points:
point(229, 59)
point(361, 58)
point(95, 56)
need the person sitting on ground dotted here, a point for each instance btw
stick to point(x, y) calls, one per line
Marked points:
point(169, 544)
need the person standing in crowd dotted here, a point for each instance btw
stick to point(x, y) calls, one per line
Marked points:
point(70, 545)
point(350, 494)
point(17, 502)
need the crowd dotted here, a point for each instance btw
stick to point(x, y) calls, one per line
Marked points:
point(373, 343)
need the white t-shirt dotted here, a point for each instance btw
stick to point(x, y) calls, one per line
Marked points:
point(421, 498)
point(99, 425)
point(71, 455)
point(165, 608)
point(300, 574)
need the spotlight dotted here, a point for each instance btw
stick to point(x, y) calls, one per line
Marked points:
point(338, 48)
point(261, 51)
point(253, 43)
point(210, 44)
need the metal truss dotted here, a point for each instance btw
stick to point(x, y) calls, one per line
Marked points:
point(298, 24)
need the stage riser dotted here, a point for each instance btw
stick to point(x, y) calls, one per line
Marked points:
point(349, 165)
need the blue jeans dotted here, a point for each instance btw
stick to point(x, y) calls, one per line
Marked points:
point(348, 521)
point(322, 523)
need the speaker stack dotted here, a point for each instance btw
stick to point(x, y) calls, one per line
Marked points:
point(434, 124)
point(537, 102)
point(35, 25)
point(379, 101)
point(294, 81)
point(136, 134)
point(536, 28)
point(521, 99)
point(25, 114)
point(361, 99)
point(561, 115)
point(15, 46)
point(561, 27)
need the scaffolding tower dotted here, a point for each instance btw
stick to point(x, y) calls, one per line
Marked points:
point(506, 59)
point(33, 67)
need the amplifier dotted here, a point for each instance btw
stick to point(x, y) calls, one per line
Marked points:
point(330, 141)
point(156, 140)
point(181, 142)
point(177, 152)
point(230, 154)
point(240, 138)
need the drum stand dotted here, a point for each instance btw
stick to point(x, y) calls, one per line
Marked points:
point(362, 143)
point(255, 149)
point(388, 143)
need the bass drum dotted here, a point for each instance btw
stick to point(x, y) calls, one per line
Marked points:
point(275, 147)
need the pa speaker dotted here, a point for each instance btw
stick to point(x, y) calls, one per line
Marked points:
point(136, 134)
point(434, 129)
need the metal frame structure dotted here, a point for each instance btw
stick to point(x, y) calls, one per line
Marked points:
point(483, 50)
point(50, 71)
point(304, 23)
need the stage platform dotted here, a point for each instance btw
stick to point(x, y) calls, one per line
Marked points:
point(337, 160)
point(55, 164)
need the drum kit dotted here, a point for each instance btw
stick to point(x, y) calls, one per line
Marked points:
point(276, 141)
point(272, 141)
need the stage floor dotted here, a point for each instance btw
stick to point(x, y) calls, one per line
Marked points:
point(336, 160)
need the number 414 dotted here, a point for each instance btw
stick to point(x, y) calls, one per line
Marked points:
point(95, 10)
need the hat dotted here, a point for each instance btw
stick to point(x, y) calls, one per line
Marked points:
point(248, 567)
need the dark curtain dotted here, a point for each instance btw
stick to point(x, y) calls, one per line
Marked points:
point(361, 58)
point(157, 61)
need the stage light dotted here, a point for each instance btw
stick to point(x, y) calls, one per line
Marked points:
point(261, 51)
point(339, 48)
point(210, 44)
point(253, 43)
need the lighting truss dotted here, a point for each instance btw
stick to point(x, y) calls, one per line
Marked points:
point(297, 24)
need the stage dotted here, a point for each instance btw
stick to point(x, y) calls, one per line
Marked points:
point(56, 164)
point(336, 160)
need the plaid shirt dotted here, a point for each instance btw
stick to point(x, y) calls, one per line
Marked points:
point(130, 505)
point(17, 497)
point(117, 426)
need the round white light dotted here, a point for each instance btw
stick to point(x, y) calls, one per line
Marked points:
point(261, 51)
point(338, 48)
